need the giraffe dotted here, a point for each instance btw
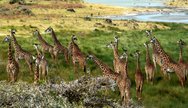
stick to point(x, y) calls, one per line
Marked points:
point(149, 66)
point(20, 53)
point(120, 66)
point(184, 65)
point(168, 64)
point(116, 60)
point(156, 57)
point(36, 70)
point(41, 62)
point(58, 47)
point(123, 82)
point(12, 65)
point(46, 47)
point(125, 78)
point(139, 79)
point(76, 54)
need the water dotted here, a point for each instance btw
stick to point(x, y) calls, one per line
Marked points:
point(130, 3)
point(174, 15)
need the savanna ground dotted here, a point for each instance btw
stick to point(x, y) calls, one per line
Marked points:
point(93, 35)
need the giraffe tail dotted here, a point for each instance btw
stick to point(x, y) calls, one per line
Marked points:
point(85, 68)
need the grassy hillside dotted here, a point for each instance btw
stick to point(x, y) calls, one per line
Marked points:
point(93, 35)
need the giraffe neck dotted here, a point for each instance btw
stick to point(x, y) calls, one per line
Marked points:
point(10, 57)
point(116, 55)
point(36, 73)
point(54, 37)
point(148, 60)
point(40, 38)
point(163, 55)
point(16, 45)
point(138, 63)
point(38, 51)
point(124, 73)
point(105, 69)
point(180, 54)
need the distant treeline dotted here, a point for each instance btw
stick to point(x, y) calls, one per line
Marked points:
point(23, 1)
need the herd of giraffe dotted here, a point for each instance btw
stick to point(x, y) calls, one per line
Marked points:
point(120, 62)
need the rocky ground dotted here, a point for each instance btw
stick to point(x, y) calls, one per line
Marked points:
point(77, 93)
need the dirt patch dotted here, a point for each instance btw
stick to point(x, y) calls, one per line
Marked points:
point(15, 10)
point(58, 6)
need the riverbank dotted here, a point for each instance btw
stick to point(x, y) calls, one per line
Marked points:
point(59, 17)
point(178, 3)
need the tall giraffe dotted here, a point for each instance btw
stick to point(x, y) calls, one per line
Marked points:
point(167, 63)
point(116, 60)
point(139, 79)
point(42, 63)
point(20, 53)
point(46, 47)
point(123, 82)
point(184, 65)
point(77, 55)
point(156, 56)
point(149, 66)
point(58, 47)
point(12, 65)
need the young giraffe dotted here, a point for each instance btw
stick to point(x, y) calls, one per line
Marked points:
point(123, 82)
point(36, 71)
point(58, 47)
point(124, 74)
point(149, 66)
point(139, 79)
point(12, 65)
point(76, 54)
point(184, 65)
point(116, 60)
point(167, 63)
point(42, 63)
point(46, 47)
point(21, 53)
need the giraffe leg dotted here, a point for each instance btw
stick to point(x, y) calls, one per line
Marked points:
point(66, 55)
point(30, 66)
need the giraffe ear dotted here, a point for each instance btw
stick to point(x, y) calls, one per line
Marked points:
point(42, 57)
point(34, 58)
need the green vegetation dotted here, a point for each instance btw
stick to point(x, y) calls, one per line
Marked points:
point(93, 37)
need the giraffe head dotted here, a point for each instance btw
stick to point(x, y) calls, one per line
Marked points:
point(49, 30)
point(153, 40)
point(149, 33)
point(36, 32)
point(7, 38)
point(36, 46)
point(124, 55)
point(116, 39)
point(13, 31)
point(90, 57)
point(181, 43)
point(137, 53)
point(111, 45)
point(74, 38)
point(36, 60)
